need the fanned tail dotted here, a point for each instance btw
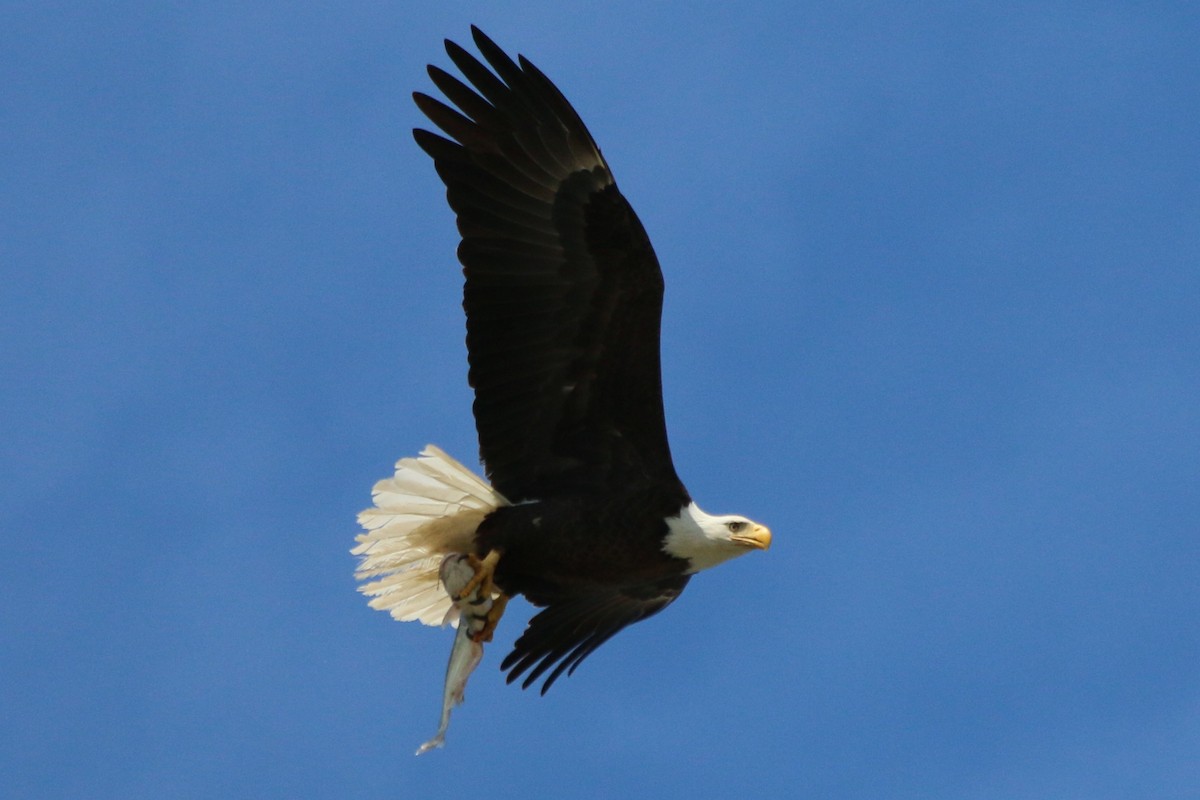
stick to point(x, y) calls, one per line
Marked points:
point(429, 509)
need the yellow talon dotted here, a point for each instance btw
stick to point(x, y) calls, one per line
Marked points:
point(485, 570)
point(491, 619)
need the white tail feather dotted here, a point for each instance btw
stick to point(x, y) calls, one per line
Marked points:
point(429, 509)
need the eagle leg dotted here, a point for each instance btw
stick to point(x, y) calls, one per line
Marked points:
point(491, 619)
point(485, 571)
point(483, 585)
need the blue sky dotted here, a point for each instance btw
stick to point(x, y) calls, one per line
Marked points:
point(933, 313)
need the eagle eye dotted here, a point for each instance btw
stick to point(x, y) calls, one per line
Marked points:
point(735, 527)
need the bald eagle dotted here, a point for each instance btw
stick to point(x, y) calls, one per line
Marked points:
point(584, 515)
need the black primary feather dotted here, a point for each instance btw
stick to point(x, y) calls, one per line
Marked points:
point(563, 291)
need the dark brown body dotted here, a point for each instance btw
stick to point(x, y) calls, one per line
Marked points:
point(567, 546)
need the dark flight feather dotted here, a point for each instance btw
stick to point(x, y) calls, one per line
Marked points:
point(559, 270)
point(569, 630)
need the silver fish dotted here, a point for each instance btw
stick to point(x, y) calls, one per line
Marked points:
point(455, 573)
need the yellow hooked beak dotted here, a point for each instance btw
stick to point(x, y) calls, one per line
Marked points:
point(758, 537)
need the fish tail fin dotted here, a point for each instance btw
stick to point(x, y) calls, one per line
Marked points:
point(429, 509)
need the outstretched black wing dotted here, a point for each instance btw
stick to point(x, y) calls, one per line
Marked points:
point(570, 628)
point(563, 291)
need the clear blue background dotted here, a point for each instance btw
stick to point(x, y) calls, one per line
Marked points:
point(933, 314)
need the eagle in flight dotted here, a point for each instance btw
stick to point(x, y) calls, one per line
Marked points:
point(584, 514)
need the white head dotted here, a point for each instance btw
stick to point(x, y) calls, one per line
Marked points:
point(705, 541)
